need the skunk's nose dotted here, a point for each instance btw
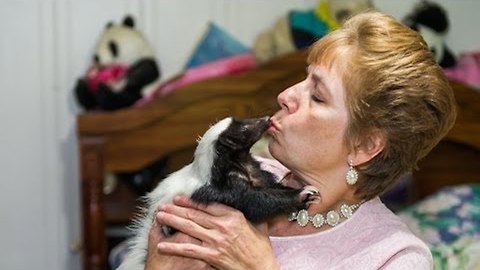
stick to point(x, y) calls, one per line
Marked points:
point(264, 122)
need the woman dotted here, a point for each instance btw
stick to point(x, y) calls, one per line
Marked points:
point(374, 102)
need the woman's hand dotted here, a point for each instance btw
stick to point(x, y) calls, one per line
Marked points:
point(158, 261)
point(226, 240)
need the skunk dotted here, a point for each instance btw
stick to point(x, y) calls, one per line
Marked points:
point(223, 171)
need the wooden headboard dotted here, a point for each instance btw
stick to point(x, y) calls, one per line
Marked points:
point(131, 139)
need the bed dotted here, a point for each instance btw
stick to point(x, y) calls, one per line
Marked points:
point(131, 139)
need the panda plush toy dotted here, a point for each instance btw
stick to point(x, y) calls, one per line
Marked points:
point(431, 21)
point(124, 69)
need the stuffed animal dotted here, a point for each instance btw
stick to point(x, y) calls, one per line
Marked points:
point(124, 69)
point(336, 12)
point(299, 29)
point(431, 21)
point(275, 41)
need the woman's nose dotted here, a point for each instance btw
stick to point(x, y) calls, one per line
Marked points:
point(287, 100)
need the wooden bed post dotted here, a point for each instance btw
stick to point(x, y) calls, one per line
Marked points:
point(92, 173)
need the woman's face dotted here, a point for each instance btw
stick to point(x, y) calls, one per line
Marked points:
point(309, 129)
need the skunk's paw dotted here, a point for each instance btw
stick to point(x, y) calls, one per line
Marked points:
point(310, 195)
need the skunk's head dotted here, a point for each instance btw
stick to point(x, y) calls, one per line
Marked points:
point(231, 134)
point(235, 134)
point(241, 134)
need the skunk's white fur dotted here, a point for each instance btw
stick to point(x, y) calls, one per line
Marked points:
point(184, 181)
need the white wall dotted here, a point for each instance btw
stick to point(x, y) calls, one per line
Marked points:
point(45, 45)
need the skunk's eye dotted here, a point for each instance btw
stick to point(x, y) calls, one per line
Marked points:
point(243, 128)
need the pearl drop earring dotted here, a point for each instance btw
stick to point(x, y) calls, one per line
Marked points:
point(352, 174)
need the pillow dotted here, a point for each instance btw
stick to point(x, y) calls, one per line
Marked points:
point(225, 66)
point(215, 44)
point(217, 54)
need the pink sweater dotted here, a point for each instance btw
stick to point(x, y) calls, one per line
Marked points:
point(373, 238)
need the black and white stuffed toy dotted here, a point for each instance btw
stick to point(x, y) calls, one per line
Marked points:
point(431, 21)
point(124, 69)
point(224, 171)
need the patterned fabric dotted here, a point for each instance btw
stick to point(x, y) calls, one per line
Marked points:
point(449, 222)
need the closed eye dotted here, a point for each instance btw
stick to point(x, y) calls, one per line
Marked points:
point(316, 85)
point(317, 99)
point(316, 94)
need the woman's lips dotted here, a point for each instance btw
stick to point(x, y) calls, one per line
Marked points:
point(273, 128)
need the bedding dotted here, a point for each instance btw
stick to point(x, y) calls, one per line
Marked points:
point(449, 222)
point(467, 69)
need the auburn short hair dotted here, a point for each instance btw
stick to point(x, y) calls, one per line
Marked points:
point(393, 85)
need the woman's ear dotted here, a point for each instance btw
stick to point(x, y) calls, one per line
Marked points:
point(368, 147)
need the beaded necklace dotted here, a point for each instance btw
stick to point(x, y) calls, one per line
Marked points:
point(332, 217)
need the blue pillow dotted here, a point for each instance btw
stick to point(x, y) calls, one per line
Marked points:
point(216, 44)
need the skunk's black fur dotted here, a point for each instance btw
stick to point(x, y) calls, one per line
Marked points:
point(237, 179)
point(224, 171)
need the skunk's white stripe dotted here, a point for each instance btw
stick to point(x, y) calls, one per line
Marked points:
point(205, 153)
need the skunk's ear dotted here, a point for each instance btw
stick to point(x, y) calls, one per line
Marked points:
point(229, 142)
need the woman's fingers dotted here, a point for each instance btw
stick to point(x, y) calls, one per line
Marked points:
point(189, 250)
point(226, 240)
point(182, 223)
point(214, 224)
point(181, 244)
point(157, 260)
point(214, 209)
point(212, 216)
